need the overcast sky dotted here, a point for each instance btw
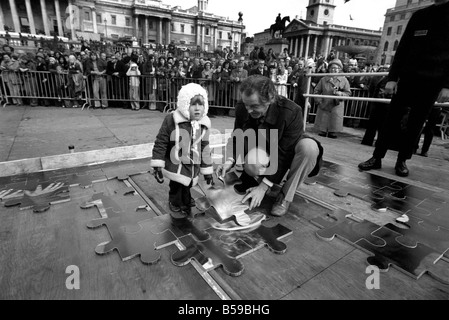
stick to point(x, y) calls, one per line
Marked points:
point(259, 15)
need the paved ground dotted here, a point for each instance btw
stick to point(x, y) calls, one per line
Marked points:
point(29, 132)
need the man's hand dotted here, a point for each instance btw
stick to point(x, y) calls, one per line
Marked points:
point(222, 169)
point(391, 87)
point(256, 195)
point(443, 96)
point(158, 175)
point(209, 179)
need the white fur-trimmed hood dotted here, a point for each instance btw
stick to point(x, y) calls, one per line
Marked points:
point(186, 94)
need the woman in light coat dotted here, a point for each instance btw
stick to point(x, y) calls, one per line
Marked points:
point(330, 112)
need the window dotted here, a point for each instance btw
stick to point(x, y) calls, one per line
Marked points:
point(182, 28)
point(207, 31)
point(399, 30)
point(409, 2)
point(403, 16)
point(99, 18)
point(395, 46)
point(229, 36)
point(386, 46)
point(389, 31)
point(127, 21)
point(326, 12)
point(150, 25)
point(220, 35)
point(114, 19)
point(392, 18)
point(192, 29)
point(312, 13)
point(172, 27)
point(87, 15)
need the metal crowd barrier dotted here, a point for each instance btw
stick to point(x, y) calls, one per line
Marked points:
point(40, 87)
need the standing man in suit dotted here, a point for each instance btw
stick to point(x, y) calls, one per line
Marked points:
point(418, 77)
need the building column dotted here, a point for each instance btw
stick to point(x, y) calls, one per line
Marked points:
point(301, 48)
point(30, 17)
point(45, 18)
point(2, 19)
point(216, 38)
point(327, 40)
point(70, 20)
point(145, 30)
point(306, 54)
point(168, 32)
point(198, 35)
point(298, 53)
point(136, 26)
point(159, 31)
point(94, 20)
point(15, 16)
point(315, 44)
point(203, 31)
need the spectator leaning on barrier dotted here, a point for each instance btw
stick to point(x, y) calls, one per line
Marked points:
point(96, 70)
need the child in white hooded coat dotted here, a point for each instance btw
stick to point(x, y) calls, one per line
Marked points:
point(181, 150)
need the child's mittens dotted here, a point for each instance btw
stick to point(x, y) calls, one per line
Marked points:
point(209, 179)
point(158, 175)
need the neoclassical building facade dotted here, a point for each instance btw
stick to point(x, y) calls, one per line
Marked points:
point(149, 21)
point(318, 35)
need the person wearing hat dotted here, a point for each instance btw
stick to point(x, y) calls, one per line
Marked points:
point(185, 131)
point(330, 112)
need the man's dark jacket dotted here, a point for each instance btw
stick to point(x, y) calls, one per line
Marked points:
point(285, 116)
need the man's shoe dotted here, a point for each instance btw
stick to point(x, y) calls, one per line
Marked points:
point(173, 207)
point(401, 168)
point(372, 163)
point(424, 154)
point(332, 135)
point(322, 134)
point(280, 207)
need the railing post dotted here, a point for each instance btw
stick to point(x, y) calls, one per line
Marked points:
point(306, 103)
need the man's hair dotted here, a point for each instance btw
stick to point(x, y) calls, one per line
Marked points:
point(261, 85)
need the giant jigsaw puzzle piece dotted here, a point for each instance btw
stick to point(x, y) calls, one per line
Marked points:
point(41, 199)
point(224, 204)
point(419, 231)
point(206, 251)
point(412, 261)
point(143, 243)
point(347, 227)
point(112, 215)
point(258, 238)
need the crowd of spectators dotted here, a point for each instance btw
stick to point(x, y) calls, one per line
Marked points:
point(105, 75)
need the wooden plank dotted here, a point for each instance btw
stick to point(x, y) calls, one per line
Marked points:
point(39, 247)
point(11, 168)
point(97, 156)
point(345, 280)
